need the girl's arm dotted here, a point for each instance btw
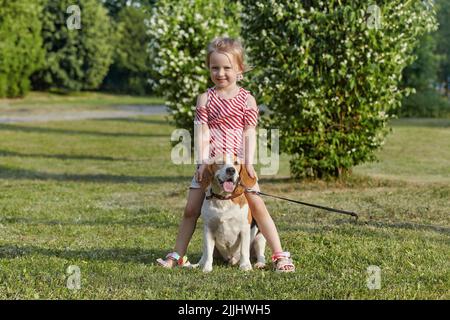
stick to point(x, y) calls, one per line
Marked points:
point(201, 130)
point(250, 134)
point(249, 144)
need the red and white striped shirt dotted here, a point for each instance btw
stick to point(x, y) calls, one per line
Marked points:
point(226, 120)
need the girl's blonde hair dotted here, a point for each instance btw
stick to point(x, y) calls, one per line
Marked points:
point(230, 46)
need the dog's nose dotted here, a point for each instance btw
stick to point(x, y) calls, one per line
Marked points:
point(230, 171)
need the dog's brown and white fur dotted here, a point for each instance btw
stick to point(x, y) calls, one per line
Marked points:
point(227, 219)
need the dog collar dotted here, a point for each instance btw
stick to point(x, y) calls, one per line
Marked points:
point(218, 196)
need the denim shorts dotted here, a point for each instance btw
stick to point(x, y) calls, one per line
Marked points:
point(194, 184)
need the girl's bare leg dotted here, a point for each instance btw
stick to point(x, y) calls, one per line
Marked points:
point(265, 223)
point(264, 220)
point(188, 222)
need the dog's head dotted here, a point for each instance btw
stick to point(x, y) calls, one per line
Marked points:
point(225, 174)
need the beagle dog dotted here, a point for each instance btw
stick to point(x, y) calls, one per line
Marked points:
point(228, 231)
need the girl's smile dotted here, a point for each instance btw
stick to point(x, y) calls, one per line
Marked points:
point(224, 71)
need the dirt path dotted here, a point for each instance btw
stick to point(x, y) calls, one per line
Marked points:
point(126, 111)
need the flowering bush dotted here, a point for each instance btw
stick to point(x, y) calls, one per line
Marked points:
point(180, 32)
point(329, 71)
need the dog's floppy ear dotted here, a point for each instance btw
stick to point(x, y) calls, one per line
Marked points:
point(206, 178)
point(245, 178)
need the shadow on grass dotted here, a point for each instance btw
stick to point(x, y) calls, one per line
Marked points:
point(351, 181)
point(17, 174)
point(409, 226)
point(278, 180)
point(362, 226)
point(127, 255)
point(133, 255)
point(150, 220)
point(28, 129)
point(135, 120)
point(5, 153)
point(421, 122)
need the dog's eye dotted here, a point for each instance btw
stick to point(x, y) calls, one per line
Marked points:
point(236, 163)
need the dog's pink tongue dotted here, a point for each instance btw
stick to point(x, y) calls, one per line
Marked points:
point(228, 186)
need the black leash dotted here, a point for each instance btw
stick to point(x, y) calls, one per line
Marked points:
point(350, 213)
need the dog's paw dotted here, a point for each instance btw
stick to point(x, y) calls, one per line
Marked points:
point(260, 265)
point(246, 266)
point(233, 261)
point(207, 269)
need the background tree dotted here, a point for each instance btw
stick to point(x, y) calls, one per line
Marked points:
point(129, 72)
point(427, 73)
point(21, 50)
point(330, 72)
point(422, 76)
point(115, 6)
point(75, 59)
point(443, 43)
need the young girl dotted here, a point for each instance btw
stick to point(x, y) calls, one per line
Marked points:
point(223, 109)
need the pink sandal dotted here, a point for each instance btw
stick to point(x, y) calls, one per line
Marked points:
point(282, 262)
point(180, 261)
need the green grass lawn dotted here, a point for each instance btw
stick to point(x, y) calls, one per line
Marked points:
point(103, 195)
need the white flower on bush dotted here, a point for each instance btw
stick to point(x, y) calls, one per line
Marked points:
point(381, 57)
point(180, 33)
